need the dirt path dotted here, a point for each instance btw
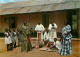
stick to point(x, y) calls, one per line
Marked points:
point(37, 53)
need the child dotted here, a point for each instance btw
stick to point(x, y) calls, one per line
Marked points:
point(7, 39)
point(14, 35)
point(12, 39)
point(11, 47)
point(18, 36)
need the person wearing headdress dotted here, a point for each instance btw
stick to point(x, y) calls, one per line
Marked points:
point(39, 28)
point(52, 30)
point(66, 46)
point(25, 38)
point(23, 29)
point(29, 45)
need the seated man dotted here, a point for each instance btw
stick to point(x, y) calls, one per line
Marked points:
point(46, 37)
point(56, 44)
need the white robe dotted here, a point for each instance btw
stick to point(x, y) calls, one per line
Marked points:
point(57, 44)
point(7, 38)
point(52, 31)
point(40, 28)
point(10, 41)
point(46, 35)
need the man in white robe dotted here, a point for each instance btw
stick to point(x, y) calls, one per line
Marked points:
point(52, 30)
point(39, 28)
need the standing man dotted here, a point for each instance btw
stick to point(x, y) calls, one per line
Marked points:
point(52, 30)
point(39, 28)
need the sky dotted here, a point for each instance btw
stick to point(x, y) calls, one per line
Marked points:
point(5, 1)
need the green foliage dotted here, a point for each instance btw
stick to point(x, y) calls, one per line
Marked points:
point(74, 22)
point(25, 30)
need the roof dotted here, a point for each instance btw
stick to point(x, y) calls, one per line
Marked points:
point(37, 6)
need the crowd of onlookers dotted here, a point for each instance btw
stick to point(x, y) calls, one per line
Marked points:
point(12, 38)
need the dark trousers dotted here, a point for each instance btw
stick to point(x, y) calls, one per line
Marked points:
point(15, 45)
point(11, 46)
point(8, 47)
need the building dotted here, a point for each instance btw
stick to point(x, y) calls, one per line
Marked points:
point(44, 10)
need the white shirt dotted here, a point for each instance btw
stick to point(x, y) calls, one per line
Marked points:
point(14, 33)
point(7, 38)
point(52, 31)
point(50, 26)
point(39, 27)
point(57, 44)
point(46, 35)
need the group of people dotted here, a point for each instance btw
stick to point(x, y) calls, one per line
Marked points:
point(21, 37)
point(49, 35)
point(12, 38)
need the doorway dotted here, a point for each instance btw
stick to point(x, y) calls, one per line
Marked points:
point(45, 20)
point(72, 18)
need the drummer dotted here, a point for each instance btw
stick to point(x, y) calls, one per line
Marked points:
point(46, 37)
point(39, 28)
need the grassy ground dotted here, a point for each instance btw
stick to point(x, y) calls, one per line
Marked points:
point(37, 53)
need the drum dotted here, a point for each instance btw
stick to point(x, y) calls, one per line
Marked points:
point(39, 36)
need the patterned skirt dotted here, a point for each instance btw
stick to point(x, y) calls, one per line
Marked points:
point(66, 47)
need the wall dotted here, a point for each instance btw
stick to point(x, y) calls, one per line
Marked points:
point(58, 17)
point(3, 25)
point(33, 19)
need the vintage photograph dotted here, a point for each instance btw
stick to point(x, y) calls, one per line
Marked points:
point(39, 28)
